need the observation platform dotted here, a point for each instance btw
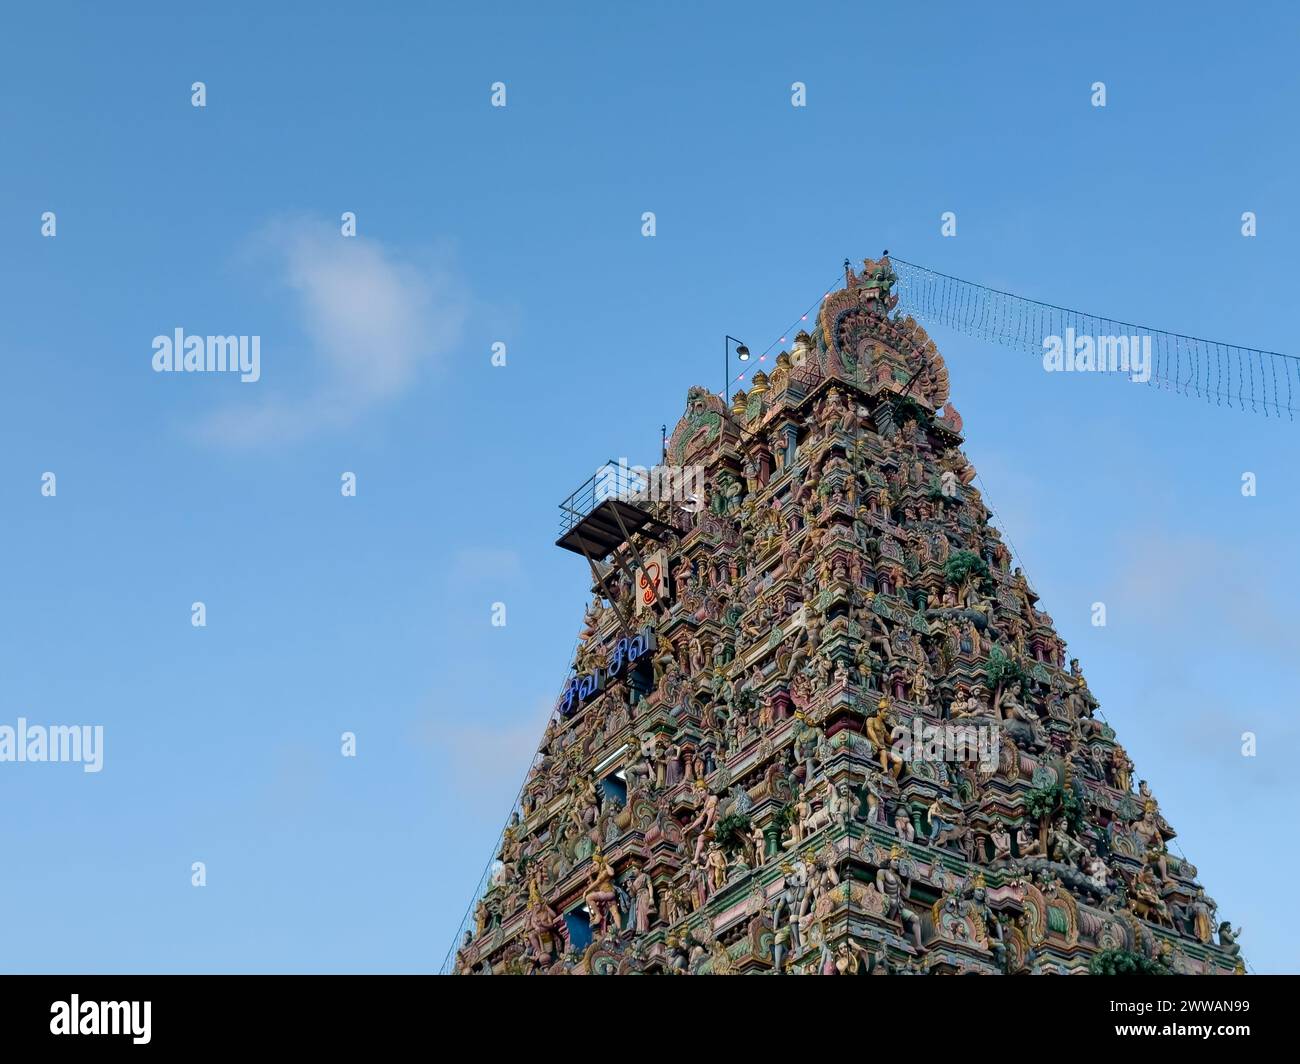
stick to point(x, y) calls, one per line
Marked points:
point(606, 511)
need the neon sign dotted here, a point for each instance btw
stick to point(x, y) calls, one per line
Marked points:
point(625, 654)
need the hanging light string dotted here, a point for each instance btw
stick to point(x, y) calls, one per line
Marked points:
point(793, 325)
point(1246, 378)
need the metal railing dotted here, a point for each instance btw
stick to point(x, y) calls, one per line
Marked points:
point(613, 480)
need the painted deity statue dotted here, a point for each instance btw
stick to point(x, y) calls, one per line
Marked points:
point(643, 900)
point(601, 897)
point(896, 888)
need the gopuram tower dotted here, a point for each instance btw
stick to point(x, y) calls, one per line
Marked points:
point(817, 722)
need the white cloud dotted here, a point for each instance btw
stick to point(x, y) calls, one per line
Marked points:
point(484, 761)
point(1196, 588)
point(374, 321)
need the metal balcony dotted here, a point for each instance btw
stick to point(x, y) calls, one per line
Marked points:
point(606, 511)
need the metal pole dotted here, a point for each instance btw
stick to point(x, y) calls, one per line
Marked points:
point(609, 592)
point(727, 341)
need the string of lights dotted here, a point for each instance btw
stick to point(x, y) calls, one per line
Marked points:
point(1243, 378)
point(793, 325)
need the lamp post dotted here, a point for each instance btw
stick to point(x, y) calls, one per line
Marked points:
point(742, 353)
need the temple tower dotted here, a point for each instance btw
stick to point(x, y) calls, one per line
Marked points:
point(817, 722)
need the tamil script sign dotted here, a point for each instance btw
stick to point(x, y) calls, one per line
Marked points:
point(582, 689)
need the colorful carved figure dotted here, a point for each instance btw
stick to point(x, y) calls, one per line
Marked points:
point(896, 888)
point(601, 898)
point(643, 900)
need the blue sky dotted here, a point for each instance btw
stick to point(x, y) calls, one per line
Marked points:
point(522, 225)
